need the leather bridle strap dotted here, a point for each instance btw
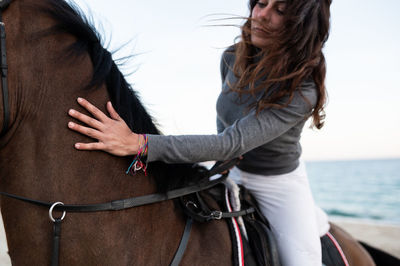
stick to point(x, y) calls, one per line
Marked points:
point(55, 254)
point(137, 201)
point(124, 203)
point(4, 68)
point(183, 244)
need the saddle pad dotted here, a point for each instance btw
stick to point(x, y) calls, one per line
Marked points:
point(332, 254)
point(237, 241)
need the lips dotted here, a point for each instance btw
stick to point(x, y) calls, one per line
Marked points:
point(258, 31)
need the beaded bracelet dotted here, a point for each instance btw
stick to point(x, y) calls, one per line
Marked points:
point(137, 163)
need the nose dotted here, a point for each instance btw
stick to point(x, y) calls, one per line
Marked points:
point(265, 13)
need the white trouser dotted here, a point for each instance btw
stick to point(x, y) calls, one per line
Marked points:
point(296, 222)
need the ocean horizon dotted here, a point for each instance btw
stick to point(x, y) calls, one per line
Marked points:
point(366, 190)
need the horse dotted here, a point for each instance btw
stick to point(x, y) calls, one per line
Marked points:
point(53, 57)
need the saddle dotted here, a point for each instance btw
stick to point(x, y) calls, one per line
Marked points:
point(252, 239)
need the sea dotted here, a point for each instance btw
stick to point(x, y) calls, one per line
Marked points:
point(357, 189)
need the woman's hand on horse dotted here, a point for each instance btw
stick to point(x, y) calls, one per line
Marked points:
point(112, 133)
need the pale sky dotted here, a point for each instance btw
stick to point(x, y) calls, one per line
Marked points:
point(176, 68)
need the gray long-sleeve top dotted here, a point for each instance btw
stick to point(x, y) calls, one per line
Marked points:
point(268, 141)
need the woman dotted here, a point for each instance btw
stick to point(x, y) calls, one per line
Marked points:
point(273, 80)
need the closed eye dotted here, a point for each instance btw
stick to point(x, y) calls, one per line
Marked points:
point(261, 5)
point(280, 8)
point(280, 12)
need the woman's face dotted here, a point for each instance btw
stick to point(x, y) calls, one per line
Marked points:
point(267, 15)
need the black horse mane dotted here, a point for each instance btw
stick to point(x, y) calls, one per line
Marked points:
point(69, 19)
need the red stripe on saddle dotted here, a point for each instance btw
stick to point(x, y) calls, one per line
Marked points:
point(339, 249)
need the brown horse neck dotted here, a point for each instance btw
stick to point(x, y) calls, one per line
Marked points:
point(37, 160)
point(39, 146)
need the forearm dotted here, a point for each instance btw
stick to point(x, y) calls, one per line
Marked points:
point(188, 148)
point(232, 142)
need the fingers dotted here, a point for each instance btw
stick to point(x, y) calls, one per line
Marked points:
point(90, 146)
point(90, 132)
point(85, 119)
point(112, 112)
point(92, 109)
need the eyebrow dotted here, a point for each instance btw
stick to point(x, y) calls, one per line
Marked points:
point(279, 2)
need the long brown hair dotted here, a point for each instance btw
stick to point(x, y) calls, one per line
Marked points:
point(295, 56)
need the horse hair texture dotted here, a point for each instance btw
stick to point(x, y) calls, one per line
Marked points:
point(71, 20)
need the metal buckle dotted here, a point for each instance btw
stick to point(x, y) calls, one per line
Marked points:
point(216, 215)
point(191, 203)
point(51, 211)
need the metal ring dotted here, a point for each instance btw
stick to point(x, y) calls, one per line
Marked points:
point(51, 211)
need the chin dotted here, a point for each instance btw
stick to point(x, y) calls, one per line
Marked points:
point(259, 42)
